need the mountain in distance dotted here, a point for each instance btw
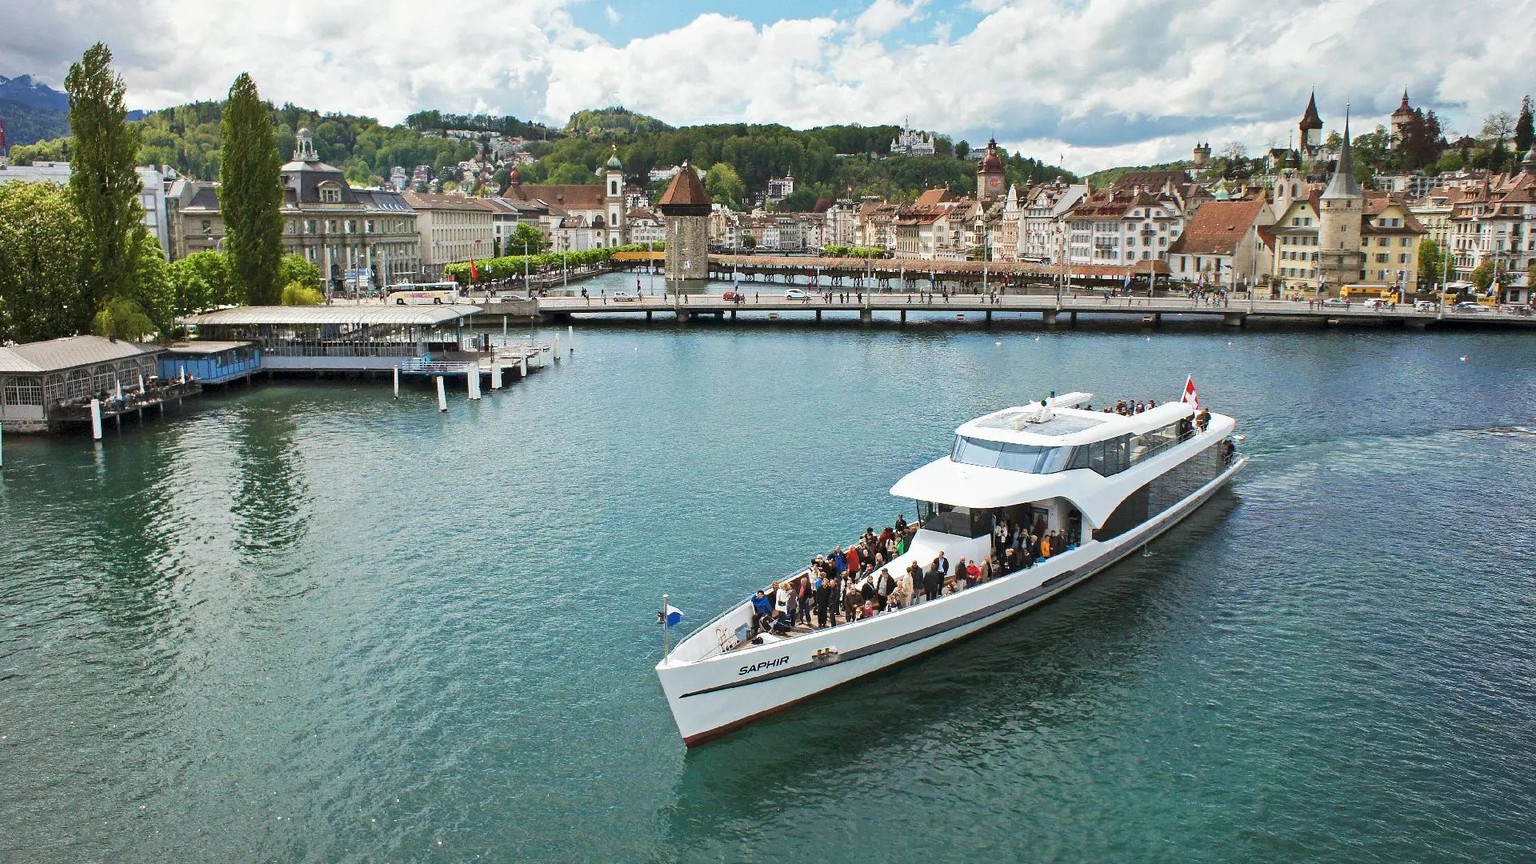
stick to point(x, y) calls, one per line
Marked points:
point(32, 111)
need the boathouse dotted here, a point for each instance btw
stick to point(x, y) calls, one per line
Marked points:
point(317, 339)
point(44, 383)
point(211, 362)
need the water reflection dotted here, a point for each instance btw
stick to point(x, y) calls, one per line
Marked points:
point(271, 494)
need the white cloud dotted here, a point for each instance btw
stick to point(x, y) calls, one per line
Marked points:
point(611, 14)
point(1099, 81)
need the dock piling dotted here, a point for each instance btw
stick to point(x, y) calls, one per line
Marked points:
point(472, 383)
point(96, 419)
point(570, 338)
point(495, 375)
point(397, 382)
point(442, 395)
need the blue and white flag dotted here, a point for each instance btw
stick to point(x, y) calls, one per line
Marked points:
point(671, 617)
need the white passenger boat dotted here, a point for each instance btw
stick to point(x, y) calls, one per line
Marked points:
point(1107, 483)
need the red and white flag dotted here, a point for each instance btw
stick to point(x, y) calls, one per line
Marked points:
point(1190, 395)
point(474, 275)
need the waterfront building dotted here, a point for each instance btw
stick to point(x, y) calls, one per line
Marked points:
point(1005, 241)
point(1385, 242)
point(876, 225)
point(452, 228)
point(840, 224)
point(596, 210)
point(1496, 221)
point(1220, 246)
point(325, 220)
point(39, 380)
point(1433, 210)
point(686, 207)
point(1123, 225)
point(645, 226)
point(152, 197)
point(1042, 233)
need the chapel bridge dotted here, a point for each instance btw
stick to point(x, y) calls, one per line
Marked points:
point(967, 290)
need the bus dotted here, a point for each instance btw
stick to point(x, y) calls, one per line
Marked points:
point(1367, 292)
point(415, 294)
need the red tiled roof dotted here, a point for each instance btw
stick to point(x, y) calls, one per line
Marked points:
point(571, 196)
point(1217, 227)
point(934, 196)
point(439, 201)
point(685, 190)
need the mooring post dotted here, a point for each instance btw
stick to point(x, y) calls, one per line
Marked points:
point(570, 337)
point(96, 419)
point(442, 395)
point(495, 374)
point(397, 382)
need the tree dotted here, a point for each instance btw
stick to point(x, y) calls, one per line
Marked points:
point(962, 149)
point(122, 319)
point(251, 193)
point(1432, 260)
point(1525, 127)
point(525, 233)
point(153, 292)
point(725, 185)
point(297, 268)
point(43, 257)
point(103, 183)
point(1482, 276)
point(299, 294)
point(1498, 125)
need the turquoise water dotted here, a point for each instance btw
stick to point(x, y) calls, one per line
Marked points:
point(312, 623)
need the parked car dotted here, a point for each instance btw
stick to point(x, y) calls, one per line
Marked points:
point(796, 294)
point(1469, 307)
point(512, 298)
point(1426, 306)
point(625, 297)
point(733, 297)
point(1335, 303)
point(1375, 303)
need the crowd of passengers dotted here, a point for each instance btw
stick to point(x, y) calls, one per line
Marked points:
point(855, 583)
point(1132, 407)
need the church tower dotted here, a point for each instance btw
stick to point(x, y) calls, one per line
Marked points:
point(613, 198)
point(1339, 260)
point(989, 175)
point(1311, 127)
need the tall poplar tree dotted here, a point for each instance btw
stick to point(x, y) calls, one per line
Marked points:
point(102, 182)
point(251, 194)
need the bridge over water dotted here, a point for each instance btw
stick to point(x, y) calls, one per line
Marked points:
point(1051, 309)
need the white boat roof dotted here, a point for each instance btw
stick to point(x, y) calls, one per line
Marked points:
point(1068, 426)
point(976, 487)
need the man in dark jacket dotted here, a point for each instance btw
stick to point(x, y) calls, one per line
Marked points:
point(761, 605)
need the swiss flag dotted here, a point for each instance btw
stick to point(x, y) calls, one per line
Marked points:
point(474, 275)
point(1190, 395)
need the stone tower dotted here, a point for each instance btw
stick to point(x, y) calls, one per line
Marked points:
point(1339, 260)
point(1400, 120)
point(1202, 154)
point(613, 198)
point(989, 175)
point(685, 206)
point(1311, 127)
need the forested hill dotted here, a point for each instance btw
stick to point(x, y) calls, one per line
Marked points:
point(828, 162)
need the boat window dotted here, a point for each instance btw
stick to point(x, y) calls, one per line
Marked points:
point(959, 521)
point(1105, 457)
point(1024, 458)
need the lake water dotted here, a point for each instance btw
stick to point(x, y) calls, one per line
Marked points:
point(307, 622)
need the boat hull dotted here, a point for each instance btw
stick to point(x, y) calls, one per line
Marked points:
point(713, 697)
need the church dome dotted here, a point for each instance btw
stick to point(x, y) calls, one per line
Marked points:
point(991, 163)
point(613, 161)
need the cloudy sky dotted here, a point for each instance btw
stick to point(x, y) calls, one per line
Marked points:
point(1096, 82)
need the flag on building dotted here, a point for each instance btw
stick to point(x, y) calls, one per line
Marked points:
point(474, 275)
point(1190, 395)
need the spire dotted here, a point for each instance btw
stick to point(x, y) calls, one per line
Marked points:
point(1310, 118)
point(1343, 184)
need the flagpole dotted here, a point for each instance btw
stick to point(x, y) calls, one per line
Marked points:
point(666, 637)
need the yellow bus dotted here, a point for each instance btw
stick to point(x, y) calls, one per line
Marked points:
point(417, 294)
point(1367, 292)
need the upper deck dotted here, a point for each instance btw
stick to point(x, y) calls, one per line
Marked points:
point(1062, 425)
